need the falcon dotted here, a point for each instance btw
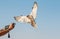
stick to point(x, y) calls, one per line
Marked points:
point(29, 18)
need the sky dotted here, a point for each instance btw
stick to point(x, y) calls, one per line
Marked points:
point(48, 19)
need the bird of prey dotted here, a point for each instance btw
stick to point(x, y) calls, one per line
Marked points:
point(29, 18)
point(7, 29)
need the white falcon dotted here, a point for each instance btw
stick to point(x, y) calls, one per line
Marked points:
point(29, 18)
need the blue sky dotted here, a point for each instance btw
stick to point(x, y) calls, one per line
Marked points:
point(48, 19)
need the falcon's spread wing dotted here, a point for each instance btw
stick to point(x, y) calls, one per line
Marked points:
point(34, 10)
point(22, 19)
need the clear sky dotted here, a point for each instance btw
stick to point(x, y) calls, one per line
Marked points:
point(48, 19)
